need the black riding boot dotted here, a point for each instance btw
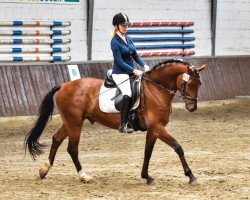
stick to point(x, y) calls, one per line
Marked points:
point(126, 101)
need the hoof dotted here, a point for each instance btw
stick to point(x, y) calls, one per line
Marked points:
point(88, 179)
point(44, 170)
point(193, 181)
point(150, 180)
point(42, 174)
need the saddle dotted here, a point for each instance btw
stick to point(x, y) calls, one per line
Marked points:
point(135, 83)
point(110, 99)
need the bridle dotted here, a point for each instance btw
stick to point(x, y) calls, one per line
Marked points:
point(186, 77)
point(183, 89)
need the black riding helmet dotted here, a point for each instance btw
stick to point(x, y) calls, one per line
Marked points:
point(120, 18)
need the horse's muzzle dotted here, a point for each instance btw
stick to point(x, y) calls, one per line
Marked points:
point(191, 107)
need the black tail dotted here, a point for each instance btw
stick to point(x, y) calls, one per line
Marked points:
point(45, 113)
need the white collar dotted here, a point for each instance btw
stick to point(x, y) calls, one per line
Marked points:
point(123, 37)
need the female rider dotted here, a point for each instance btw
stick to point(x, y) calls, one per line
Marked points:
point(124, 53)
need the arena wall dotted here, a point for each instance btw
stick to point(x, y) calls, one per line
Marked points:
point(22, 87)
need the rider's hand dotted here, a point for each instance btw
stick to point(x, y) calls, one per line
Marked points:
point(146, 68)
point(138, 72)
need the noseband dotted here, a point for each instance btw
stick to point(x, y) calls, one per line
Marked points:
point(183, 89)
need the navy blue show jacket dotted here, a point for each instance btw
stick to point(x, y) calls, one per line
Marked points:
point(123, 55)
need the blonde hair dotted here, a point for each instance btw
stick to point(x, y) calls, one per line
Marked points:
point(114, 32)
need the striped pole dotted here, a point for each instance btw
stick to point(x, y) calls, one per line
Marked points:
point(35, 41)
point(35, 32)
point(165, 46)
point(28, 49)
point(146, 24)
point(34, 50)
point(151, 38)
point(159, 31)
point(173, 53)
point(34, 23)
point(34, 58)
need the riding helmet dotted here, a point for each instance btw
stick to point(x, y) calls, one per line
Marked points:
point(120, 18)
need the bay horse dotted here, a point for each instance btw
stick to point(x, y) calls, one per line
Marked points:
point(76, 101)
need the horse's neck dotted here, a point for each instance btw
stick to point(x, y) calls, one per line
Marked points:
point(162, 83)
point(167, 76)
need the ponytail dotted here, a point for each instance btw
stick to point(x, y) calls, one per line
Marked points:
point(114, 32)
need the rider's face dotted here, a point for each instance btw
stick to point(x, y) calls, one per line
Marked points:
point(123, 28)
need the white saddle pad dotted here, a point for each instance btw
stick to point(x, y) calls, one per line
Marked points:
point(106, 104)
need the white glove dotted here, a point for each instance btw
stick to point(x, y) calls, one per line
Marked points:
point(146, 68)
point(138, 72)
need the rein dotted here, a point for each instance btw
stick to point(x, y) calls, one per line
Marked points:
point(162, 87)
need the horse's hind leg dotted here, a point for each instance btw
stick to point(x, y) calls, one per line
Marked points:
point(74, 131)
point(57, 140)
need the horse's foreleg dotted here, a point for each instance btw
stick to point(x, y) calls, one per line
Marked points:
point(56, 142)
point(167, 138)
point(149, 146)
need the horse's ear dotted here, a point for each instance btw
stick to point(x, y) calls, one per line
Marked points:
point(191, 68)
point(201, 67)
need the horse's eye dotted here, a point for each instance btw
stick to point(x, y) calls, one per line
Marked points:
point(190, 86)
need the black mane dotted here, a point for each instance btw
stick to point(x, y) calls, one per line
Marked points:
point(161, 64)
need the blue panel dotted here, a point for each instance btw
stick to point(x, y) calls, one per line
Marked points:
point(165, 46)
point(57, 32)
point(17, 50)
point(56, 23)
point(152, 31)
point(17, 58)
point(17, 41)
point(57, 58)
point(58, 49)
point(17, 23)
point(57, 41)
point(143, 39)
point(17, 32)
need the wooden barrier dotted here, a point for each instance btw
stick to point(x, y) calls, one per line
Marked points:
point(22, 87)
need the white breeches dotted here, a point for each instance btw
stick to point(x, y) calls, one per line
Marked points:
point(123, 82)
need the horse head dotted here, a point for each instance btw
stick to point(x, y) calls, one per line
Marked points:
point(188, 84)
point(172, 75)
